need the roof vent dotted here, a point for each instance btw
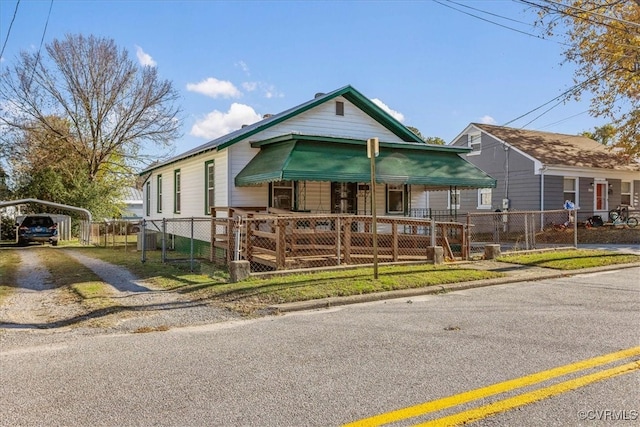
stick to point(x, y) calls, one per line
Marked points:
point(243, 126)
point(266, 116)
point(319, 94)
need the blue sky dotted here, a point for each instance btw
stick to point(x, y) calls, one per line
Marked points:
point(433, 67)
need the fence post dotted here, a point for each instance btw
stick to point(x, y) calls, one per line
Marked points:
point(526, 232)
point(575, 228)
point(347, 240)
point(164, 240)
point(338, 240)
point(394, 240)
point(467, 238)
point(144, 241)
point(191, 260)
point(433, 231)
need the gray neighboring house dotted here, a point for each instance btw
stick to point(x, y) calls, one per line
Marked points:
point(540, 171)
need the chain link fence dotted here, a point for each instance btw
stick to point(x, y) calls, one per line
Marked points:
point(285, 241)
point(521, 230)
point(114, 233)
point(186, 240)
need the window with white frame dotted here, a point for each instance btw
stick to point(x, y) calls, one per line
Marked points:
point(570, 190)
point(282, 195)
point(176, 191)
point(453, 201)
point(474, 141)
point(395, 199)
point(159, 193)
point(209, 195)
point(484, 198)
point(625, 193)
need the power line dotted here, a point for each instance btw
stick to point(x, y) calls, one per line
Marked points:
point(613, 18)
point(44, 32)
point(555, 7)
point(492, 22)
point(562, 120)
point(560, 97)
point(4, 45)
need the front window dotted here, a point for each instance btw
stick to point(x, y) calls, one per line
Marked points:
point(570, 190)
point(176, 191)
point(209, 196)
point(395, 199)
point(282, 195)
point(474, 142)
point(625, 193)
point(159, 194)
point(484, 198)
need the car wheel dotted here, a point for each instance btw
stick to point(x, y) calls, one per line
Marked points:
point(54, 243)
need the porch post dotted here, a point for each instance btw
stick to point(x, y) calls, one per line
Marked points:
point(373, 149)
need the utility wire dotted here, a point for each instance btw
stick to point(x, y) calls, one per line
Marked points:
point(6, 39)
point(492, 22)
point(554, 7)
point(591, 12)
point(44, 32)
point(562, 120)
point(490, 13)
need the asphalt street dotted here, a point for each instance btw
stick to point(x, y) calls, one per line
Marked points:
point(334, 366)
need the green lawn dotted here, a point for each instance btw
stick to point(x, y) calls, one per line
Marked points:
point(573, 259)
point(258, 292)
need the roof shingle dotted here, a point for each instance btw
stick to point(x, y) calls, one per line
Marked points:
point(561, 150)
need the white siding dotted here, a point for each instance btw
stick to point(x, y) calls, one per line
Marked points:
point(320, 120)
point(192, 175)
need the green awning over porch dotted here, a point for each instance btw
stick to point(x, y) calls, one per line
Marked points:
point(294, 159)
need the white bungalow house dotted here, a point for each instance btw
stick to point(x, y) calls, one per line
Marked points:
point(310, 158)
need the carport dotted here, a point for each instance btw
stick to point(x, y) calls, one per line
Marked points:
point(85, 225)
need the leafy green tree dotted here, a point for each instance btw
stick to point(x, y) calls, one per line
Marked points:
point(604, 134)
point(603, 41)
point(428, 139)
point(434, 140)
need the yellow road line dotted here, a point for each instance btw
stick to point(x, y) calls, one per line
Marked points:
point(530, 397)
point(468, 396)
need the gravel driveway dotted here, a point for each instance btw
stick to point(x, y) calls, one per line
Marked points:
point(37, 306)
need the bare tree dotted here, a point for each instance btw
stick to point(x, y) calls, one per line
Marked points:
point(113, 106)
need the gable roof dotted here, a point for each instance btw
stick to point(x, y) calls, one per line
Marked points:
point(556, 149)
point(347, 92)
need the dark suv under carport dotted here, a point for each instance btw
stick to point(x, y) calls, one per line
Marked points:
point(37, 228)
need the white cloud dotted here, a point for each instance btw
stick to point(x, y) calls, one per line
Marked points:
point(144, 58)
point(218, 123)
point(250, 86)
point(488, 120)
point(395, 114)
point(215, 88)
point(243, 65)
point(270, 91)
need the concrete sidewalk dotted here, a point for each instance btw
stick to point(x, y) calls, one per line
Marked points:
point(514, 273)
